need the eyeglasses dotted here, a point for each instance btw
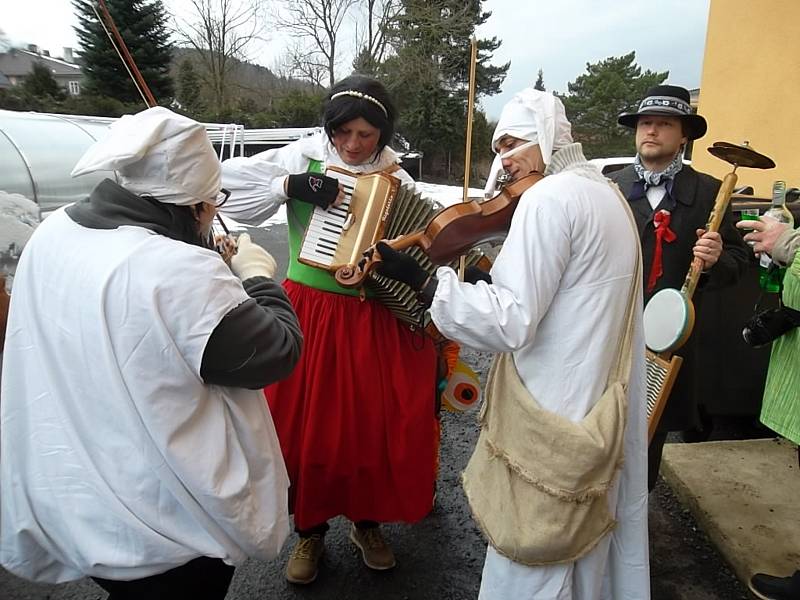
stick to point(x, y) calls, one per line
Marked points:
point(222, 197)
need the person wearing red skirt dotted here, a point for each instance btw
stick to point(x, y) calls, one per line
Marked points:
point(357, 418)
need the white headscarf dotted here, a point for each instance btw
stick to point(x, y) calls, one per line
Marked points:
point(535, 116)
point(158, 152)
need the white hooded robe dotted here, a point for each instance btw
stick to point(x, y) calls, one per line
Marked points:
point(557, 302)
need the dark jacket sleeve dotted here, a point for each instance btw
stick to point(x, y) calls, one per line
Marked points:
point(256, 343)
point(735, 256)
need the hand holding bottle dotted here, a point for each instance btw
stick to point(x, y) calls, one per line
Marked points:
point(762, 233)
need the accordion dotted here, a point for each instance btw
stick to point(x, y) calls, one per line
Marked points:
point(376, 206)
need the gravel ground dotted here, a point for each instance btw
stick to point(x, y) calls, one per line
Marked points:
point(441, 557)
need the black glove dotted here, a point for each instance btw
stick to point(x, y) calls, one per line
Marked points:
point(474, 274)
point(313, 188)
point(400, 266)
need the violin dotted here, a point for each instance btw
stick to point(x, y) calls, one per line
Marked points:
point(451, 232)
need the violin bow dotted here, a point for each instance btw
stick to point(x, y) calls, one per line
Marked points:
point(118, 43)
point(468, 151)
point(108, 25)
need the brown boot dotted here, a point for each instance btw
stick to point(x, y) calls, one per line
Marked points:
point(374, 550)
point(303, 564)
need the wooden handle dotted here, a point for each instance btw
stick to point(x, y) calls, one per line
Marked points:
point(462, 263)
point(713, 223)
point(721, 203)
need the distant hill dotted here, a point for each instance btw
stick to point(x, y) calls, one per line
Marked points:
point(252, 82)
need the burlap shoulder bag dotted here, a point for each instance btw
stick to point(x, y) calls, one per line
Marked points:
point(537, 483)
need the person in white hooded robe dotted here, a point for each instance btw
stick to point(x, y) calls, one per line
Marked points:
point(136, 445)
point(557, 300)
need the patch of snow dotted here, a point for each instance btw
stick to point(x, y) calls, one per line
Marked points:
point(19, 216)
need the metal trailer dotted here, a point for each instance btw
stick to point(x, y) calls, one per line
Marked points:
point(39, 150)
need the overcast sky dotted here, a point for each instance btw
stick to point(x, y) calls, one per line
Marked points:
point(557, 36)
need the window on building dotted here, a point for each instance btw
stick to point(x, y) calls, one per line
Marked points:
point(74, 88)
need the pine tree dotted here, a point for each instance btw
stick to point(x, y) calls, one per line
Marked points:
point(41, 84)
point(189, 86)
point(539, 85)
point(143, 26)
point(596, 98)
point(429, 75)
point(296, 108)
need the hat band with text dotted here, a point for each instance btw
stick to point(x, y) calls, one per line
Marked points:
point(666, 104)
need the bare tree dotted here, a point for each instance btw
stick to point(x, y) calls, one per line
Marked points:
point(373, 40)
point(304, 65)
point(317, 22)
point(221, 31)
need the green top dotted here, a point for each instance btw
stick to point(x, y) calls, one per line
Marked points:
point(780, 410)
point(298, 215)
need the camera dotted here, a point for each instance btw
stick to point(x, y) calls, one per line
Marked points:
point(768, 325)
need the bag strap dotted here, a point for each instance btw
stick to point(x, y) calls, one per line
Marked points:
point(622, 368)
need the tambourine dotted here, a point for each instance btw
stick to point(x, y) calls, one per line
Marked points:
point(668, 320)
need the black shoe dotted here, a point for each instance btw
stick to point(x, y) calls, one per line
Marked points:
point(769, 587)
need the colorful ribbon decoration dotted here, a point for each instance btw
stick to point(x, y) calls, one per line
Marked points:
point(663, 234)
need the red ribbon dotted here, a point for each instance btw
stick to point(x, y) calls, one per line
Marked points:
point(663, 234)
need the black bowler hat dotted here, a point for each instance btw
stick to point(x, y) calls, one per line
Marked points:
point(671, 101)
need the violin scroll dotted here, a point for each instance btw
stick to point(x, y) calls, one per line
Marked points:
point(352, 276)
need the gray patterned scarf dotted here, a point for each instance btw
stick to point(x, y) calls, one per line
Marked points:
point(652, 178)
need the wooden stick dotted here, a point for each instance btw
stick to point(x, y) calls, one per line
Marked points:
point(122, 50)
point(468, 152)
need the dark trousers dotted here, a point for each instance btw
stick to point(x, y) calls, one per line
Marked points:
point(654, 452)
point(322, 528)
point(200, 579)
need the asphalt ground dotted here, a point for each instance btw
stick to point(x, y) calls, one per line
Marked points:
point(441, 557)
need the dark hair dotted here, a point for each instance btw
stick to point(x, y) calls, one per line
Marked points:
point(340, 110)
point(179, 222)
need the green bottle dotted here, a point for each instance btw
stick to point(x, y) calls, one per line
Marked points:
point(770, 275)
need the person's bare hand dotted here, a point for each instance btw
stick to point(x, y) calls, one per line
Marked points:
point(763, 233)
point(708, 247)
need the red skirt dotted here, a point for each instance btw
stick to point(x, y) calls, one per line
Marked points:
point(356, 419)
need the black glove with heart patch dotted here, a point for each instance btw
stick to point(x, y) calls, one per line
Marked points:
point(313, 188)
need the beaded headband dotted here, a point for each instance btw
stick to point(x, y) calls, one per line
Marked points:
point(357, 94)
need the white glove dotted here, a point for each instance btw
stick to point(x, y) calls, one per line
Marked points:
point(251, 260)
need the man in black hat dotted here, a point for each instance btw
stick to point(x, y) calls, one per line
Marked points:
point(671, 203)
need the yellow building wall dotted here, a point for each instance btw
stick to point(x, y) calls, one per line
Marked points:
point(750, 88)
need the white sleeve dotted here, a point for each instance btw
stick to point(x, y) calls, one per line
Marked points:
point(503, 316)
point(404, 177)
point(256, 183)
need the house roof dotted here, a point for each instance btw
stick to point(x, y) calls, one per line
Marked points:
point(18, 63)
